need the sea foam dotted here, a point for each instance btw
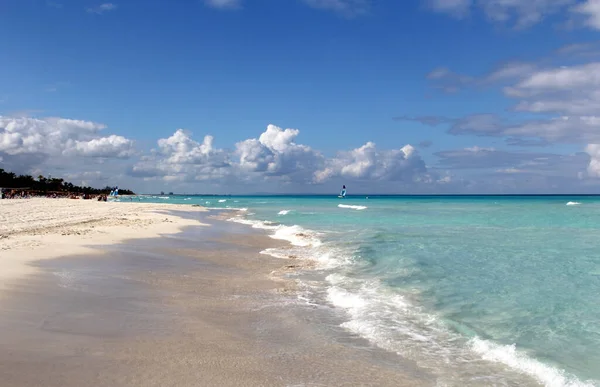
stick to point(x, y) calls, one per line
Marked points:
point(508, 355)
point(391, 321)
point(352, 207)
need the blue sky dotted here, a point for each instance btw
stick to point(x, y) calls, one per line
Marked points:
point(96, 91)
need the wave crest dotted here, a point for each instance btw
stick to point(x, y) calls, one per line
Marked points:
point(352, 207)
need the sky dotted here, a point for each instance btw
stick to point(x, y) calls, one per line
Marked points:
point(302, 96)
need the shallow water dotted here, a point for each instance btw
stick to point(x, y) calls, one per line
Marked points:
point(479, 290)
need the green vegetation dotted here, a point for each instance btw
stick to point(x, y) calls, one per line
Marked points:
point(48, 184)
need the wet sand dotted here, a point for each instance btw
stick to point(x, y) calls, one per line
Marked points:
point(198, 308)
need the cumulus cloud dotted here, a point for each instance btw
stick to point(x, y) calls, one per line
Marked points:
point(76, 150)
point(275, 153)
point(181, 158)
point(274, 157)
point(593, 168)
point(274, 160)
point(30, 141)
point(180, 148)
point(112, 146)
point(369, 163)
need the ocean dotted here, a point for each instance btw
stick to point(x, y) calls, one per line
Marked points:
point(478, 290)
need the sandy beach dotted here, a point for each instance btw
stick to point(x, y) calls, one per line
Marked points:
point(163, 295)
point(42, 228)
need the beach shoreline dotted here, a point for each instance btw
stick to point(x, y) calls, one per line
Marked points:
point(41, 228)
point(120, 306)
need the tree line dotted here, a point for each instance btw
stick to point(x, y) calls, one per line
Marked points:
point(50, 184)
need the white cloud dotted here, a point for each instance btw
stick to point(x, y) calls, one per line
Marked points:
point(569, 96)
point(524, 13)
point(180, 148)
point(111, 146)
point(593, 168)
point(275, 153)
point(347, 8)
point(450, 81)
point(558, 79)
point(562, 90)
point(586, 49)
point(224, 4)
point(509, 71)
point(180, 158)
point(369, 163)
point(563, 129)
point(57, 144)
point(275, 158)
point(590, 9)
point(52, 136)
point(102, 8)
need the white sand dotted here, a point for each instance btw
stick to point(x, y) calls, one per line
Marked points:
point(35, 229)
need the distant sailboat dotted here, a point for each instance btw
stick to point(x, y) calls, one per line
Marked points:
point(343, 192)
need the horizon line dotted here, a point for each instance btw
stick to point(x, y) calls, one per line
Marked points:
point(374, 195)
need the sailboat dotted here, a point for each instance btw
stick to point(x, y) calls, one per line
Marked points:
point(342, 192)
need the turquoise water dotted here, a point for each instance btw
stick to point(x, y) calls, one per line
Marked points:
point(484, 290)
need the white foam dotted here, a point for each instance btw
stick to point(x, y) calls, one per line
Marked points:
point(508, 355)
point(276, 253)
point(254, 223)
point(344, 299)
point(573, 203)
point(352, 207)
point(296, 235)
point(222, 201)
point(163, 197)
point(283, 212)
point(227, 209)
point(389, 321)
point(306, 244)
